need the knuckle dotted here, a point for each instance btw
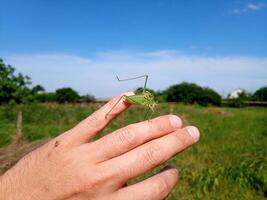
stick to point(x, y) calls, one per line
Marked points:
point(93, 181)
point(161, 127)
point(160, 124)
point(127, 137)
point(162, 188)
point(153, 155)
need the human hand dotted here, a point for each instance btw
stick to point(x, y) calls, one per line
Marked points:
point(73, 167)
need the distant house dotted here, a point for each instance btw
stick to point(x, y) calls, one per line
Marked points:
point(41, 92)
point(235, 93)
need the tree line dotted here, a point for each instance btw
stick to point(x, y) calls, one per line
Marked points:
point(191, 93)
point(17, 88)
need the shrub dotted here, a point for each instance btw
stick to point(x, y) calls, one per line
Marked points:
point(191, 93)
point(184, 92)
point(46, 97)
point(260, 94)
point(87, 98)
point(209, 96)
point(66, 95)
point(240, 100)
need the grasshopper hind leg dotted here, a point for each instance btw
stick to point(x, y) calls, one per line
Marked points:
point(108, 113)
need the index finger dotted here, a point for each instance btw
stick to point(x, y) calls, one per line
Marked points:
point(93, 124)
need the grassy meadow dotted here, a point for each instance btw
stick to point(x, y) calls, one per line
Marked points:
point(229, 162)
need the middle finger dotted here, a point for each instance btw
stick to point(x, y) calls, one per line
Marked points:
point(131, 136)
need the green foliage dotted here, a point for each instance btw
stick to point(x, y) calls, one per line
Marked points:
point(250, 172)
point(87, 98)
point(38, 89)
point(209, 96)
point(46, 97)
point(260, 94)
point(13, 86)
point(183, 92)
point(191, 93)
point(240, 100)
point(66, 95)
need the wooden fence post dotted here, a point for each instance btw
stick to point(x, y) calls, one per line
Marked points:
point(19, 133)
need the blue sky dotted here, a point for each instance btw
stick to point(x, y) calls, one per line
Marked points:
point(221, 44)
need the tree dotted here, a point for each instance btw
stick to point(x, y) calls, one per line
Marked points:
point(38, 89)
point(46, 97)
point(191, 93)
point(66, 95)
point(183, 92)
point(260, 94)
point(240, 100)
point(87, 98)
point(209, 96)
point(13, 87)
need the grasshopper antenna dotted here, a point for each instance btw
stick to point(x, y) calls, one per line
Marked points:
point(128, 79)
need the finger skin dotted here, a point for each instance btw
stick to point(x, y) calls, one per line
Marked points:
point(93, 124)
point(156, 187)
point(150, 155)
point(129, 137)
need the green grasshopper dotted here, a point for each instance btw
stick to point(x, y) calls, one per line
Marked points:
point(145, 98)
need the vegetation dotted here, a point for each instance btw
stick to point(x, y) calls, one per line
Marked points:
point(240, 100)
point(191, 93)
point(260, 94)
point(13, 87)
point(38, 89)
point(229, 162)
point(66, 95)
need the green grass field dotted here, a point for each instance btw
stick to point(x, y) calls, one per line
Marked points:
point(229, 162)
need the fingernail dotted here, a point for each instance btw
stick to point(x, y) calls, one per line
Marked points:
point(175, 121)
point(193, 132)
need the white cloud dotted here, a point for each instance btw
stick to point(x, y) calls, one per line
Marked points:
point(96, 74)
point(249, 7)
point(255, 7)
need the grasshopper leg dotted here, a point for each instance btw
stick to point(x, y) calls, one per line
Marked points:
point(108, 113)
point(147, 111)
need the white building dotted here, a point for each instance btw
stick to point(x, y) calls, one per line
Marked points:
point(235, 93)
